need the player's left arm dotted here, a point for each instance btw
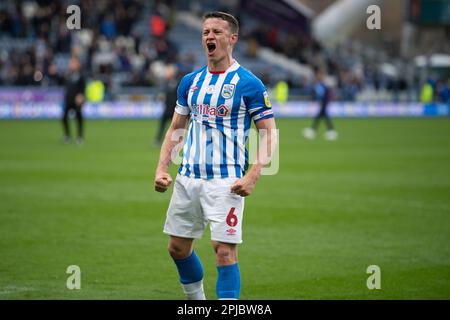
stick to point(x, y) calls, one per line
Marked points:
point(268, 134)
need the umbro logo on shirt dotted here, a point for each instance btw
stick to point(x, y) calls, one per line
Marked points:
point(210, 89)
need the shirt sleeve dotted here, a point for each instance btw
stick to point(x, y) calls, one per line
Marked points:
point(182, 95)
point(257, 101)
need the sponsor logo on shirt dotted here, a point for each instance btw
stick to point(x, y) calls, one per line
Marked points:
point(210, 111)
point(267, 100)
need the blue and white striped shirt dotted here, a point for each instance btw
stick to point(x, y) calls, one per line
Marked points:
point(221, 106)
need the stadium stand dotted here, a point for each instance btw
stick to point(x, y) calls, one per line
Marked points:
point(127, 44)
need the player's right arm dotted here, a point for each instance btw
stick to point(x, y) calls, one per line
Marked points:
point(173, 138)
point(162, 176)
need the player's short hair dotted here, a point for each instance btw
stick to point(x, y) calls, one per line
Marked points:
point(232, 21)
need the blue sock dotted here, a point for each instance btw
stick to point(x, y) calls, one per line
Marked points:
point(228, 282)
point(190, 269)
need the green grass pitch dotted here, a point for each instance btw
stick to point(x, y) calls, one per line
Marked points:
point(379, 195)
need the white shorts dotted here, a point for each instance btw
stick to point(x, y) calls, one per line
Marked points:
point(197, 202)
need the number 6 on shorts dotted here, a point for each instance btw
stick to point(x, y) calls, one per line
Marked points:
point(232, 219)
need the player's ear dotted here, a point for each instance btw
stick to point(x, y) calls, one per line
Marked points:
point(233, 38)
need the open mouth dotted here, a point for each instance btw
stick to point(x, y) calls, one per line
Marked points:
point(211, 47)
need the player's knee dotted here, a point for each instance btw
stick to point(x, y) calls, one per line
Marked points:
point(225, 255)
point(178, 251)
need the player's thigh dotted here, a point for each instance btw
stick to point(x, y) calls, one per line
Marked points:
point(224, 211)
point(185, 216)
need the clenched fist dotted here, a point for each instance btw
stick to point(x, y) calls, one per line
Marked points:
point(162, 181)
point(243, 186)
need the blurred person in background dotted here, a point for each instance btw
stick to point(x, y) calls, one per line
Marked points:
point(443, 90)
point(170, 101)
point(322, 94)
point(281, 92)
point(73, 99)
point(427, 91)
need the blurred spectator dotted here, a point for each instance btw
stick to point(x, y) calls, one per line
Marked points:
point(427, 92)
point(281, 92)
point(252, 48)
point(63, 41)
point(186, 63)
point(108, 27)
point(443, 91)
point(173, 76)
point(75, 84)
point(95, 90)
point(157, 25)
point(52, 77)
